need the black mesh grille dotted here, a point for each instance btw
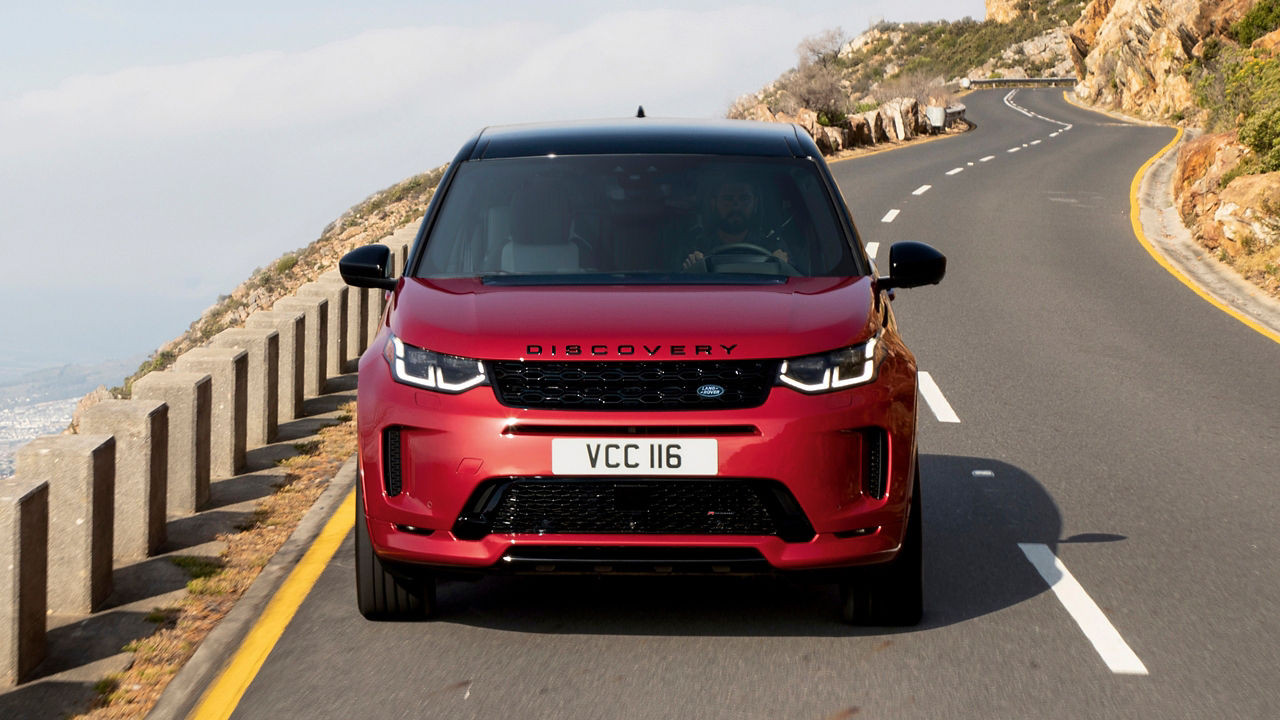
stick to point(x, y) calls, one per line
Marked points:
point(678, 507)
point(391, 460)
point(874, 465)
point(665, 385)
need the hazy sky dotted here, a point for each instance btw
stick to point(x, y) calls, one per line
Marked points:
point(152, 154)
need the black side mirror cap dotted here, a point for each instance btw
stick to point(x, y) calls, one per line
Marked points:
point(912, 264)
point(366, 267)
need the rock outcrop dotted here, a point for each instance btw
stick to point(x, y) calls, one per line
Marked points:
point(1046, 55)
point(896, 120)
point(1130, 54)
point(1004, 11)
point(1240, 221)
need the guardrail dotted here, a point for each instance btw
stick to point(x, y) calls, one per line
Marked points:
point(1018, 82)
point(80, 507)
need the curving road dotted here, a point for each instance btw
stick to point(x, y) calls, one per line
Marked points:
point(1108, 432)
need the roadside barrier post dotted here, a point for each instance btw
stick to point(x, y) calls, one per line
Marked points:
point(317, 335)
point(357, 323)
point(229, 369)
point(292, 328)
point(80, 471)
point(263, 346)
point(336, 331)
point(189, 397)
point(24, 568)
point(141, 430)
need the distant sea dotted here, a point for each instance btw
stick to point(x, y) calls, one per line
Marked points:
point(41, 402)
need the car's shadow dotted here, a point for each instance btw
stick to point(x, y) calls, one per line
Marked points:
point(973, 566)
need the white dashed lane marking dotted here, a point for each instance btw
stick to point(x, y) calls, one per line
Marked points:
point(935, 399)
point(1014, 149)
point(1115, 652)
point(872, 249)
point(953, 171)
point(921, 190)
point(889, 216)
point(1035, 142)
point(987, 158)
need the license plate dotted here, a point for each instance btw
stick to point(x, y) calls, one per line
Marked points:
point(648, 456)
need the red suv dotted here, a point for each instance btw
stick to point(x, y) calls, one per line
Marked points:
point(639, 346)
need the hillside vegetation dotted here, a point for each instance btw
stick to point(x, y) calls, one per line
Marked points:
point(371, 219)
point(837, 75)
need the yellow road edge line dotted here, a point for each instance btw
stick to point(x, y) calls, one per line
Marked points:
point(1135, 217)
point(222, 697)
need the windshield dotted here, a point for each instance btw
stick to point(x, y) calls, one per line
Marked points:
point(646, 218)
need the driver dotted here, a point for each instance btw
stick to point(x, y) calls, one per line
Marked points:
point(734, 209)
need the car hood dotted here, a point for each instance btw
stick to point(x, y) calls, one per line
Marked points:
point(633, 322)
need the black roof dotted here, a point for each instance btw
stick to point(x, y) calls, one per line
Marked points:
point(641, 135)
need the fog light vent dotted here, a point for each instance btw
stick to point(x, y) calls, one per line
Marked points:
point(875, 462)
point(391, 460)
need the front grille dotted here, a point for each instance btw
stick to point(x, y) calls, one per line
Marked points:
point(657, 506)
point(640, 385)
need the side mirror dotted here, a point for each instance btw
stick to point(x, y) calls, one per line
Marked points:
point(366, 267)
point(912, 264)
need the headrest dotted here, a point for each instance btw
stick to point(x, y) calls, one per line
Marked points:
point(539, 215)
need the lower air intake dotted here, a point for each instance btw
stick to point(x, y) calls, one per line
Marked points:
point(874, 462)
point(391, 461)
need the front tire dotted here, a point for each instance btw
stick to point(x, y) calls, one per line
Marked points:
point(890, 595)
point(381, 595)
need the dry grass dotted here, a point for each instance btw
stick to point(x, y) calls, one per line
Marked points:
point(216, 586)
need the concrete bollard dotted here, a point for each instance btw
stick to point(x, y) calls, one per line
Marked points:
point(229, 369)
point(292, 328)
point(314, 351)
point(263, 346)
point(376, 300)
point(189, 397)
point(24, 576)
point(141, 430)
point(357, 325)
point(80, 471)
point(336, 332)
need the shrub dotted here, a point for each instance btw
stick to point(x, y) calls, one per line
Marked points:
point(1262, 134)
point(286, 263)
point(1260, 20)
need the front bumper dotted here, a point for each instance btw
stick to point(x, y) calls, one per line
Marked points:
point(812, 445)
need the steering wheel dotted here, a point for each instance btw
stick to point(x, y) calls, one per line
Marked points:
point(742, 248)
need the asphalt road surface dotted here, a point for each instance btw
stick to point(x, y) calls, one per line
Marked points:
point(1106, 430)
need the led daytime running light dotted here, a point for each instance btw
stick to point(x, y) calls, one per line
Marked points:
point(434, 378)
point(832, 379)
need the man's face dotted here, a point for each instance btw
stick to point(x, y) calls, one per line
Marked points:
point(735, 204)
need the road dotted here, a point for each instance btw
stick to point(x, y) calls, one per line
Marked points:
point(1104, 416)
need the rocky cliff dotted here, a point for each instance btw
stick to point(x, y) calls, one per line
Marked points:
point(1130, 54)
point(1202, 63)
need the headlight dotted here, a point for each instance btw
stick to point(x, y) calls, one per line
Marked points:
point(437, 371)
point(835, 370)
